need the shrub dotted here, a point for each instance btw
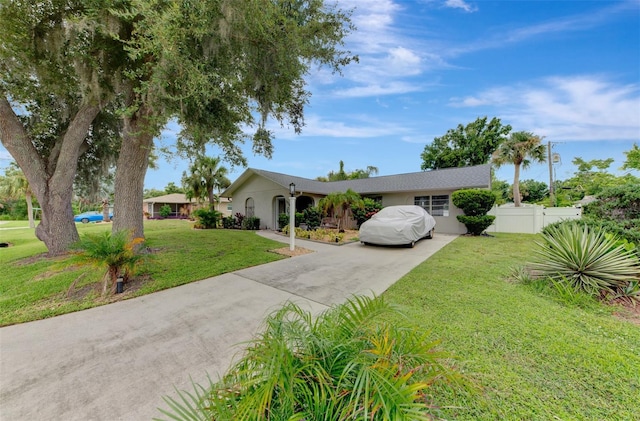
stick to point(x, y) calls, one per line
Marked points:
point(165, 211)
point(206, 219)
point(618, 211)
point(476, 225)
point(474, 202)
point(239, 219)
point(348, 363)
point(251, 223)
point(283, 220)
point(586, 258)
point(362, 214)
point(228, 222)
point(312, 216)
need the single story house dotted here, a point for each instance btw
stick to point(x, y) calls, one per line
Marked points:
point(180, 205)
point(265, 194)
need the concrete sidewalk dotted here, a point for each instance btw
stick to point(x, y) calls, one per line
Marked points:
point(117, 361)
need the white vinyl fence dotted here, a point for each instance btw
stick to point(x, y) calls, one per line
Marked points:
point(529, 219)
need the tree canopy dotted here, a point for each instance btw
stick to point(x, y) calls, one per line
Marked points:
point(633, 159)
point(341, 174)
point(467, 145)
point(217, 66)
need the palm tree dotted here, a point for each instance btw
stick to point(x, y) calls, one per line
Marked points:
point(338, 204)
point(15, 185)
point(520, 149)
point(206, 176)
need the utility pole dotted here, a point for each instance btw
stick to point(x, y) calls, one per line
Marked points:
point(551, 198)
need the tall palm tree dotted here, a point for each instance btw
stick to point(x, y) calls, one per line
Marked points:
point(15, 185)
point(343, 175)
point(206, 176)
point(520, 149)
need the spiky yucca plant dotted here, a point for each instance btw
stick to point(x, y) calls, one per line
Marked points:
point(587, 258)
point(346, 364)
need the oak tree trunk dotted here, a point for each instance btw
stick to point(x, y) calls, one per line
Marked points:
point(50, 177)
point(130, 172)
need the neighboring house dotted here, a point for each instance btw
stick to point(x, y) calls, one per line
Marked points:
point(180, 205)
point(265, 194)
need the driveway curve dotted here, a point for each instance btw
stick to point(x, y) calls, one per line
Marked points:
point(115, 362)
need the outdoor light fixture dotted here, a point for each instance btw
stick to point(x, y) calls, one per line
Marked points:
point(120, 285)
point(292, 217)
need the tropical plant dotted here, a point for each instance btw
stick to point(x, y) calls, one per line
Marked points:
point(339, 204)
point(117, 252)
point(349, 363)
point(228, 222)
point(586, 258)
point(520, 149)
point(475, 204)
point(206, 219)
point(206, 175)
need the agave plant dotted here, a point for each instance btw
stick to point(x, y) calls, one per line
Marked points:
point(587, 258)
point(347, 364)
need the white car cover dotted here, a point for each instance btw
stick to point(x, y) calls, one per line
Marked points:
point(397, 225)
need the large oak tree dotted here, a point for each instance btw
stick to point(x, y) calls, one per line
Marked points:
point(214, 64)
point(467, 145)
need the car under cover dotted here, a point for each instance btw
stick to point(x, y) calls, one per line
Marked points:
point(397, 225)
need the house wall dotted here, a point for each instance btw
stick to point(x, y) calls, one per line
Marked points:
point(445, 224)
point(263, 192)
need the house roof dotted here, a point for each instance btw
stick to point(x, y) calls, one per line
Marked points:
point(478, 176)
point(168, 198)
point(172, 198)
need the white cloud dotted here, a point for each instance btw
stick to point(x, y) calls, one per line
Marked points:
point(352, 126)
point(460, 4)
point(390, 88)
point(584, 108)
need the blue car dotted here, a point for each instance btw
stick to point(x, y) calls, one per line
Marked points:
point(91, 216)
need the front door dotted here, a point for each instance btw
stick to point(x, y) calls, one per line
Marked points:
point(280, 207)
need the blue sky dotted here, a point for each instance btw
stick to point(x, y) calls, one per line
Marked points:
point(565, 70)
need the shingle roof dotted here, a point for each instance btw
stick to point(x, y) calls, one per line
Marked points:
point(478, 176)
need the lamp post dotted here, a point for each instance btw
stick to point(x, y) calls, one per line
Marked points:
point(292, 217)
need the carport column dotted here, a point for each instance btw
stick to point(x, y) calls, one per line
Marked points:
point(292, 217)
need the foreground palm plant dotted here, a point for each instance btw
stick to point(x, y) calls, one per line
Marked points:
point(347, 364)
point(116, 252)
point(587, 258)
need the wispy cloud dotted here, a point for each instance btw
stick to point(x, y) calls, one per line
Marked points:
point(585, 108)
point(351, 126)
point(460, 4)
point(580, 22)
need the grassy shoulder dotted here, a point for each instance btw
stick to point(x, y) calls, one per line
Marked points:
point(35, 287)
point(529, 356)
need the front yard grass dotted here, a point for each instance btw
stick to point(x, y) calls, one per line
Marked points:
point(529, 356)
point(34, 287)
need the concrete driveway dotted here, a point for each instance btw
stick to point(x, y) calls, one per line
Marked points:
point(117, 361)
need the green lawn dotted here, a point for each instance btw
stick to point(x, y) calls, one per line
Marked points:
point(36, 288)
point(529, 356)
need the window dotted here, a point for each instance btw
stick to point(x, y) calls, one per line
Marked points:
point(249, 210)
point(440, 205)
point(229, 206)
point(437, 205)
point(423, 201)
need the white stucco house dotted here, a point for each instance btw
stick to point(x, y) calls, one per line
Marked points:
point(265, 194)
